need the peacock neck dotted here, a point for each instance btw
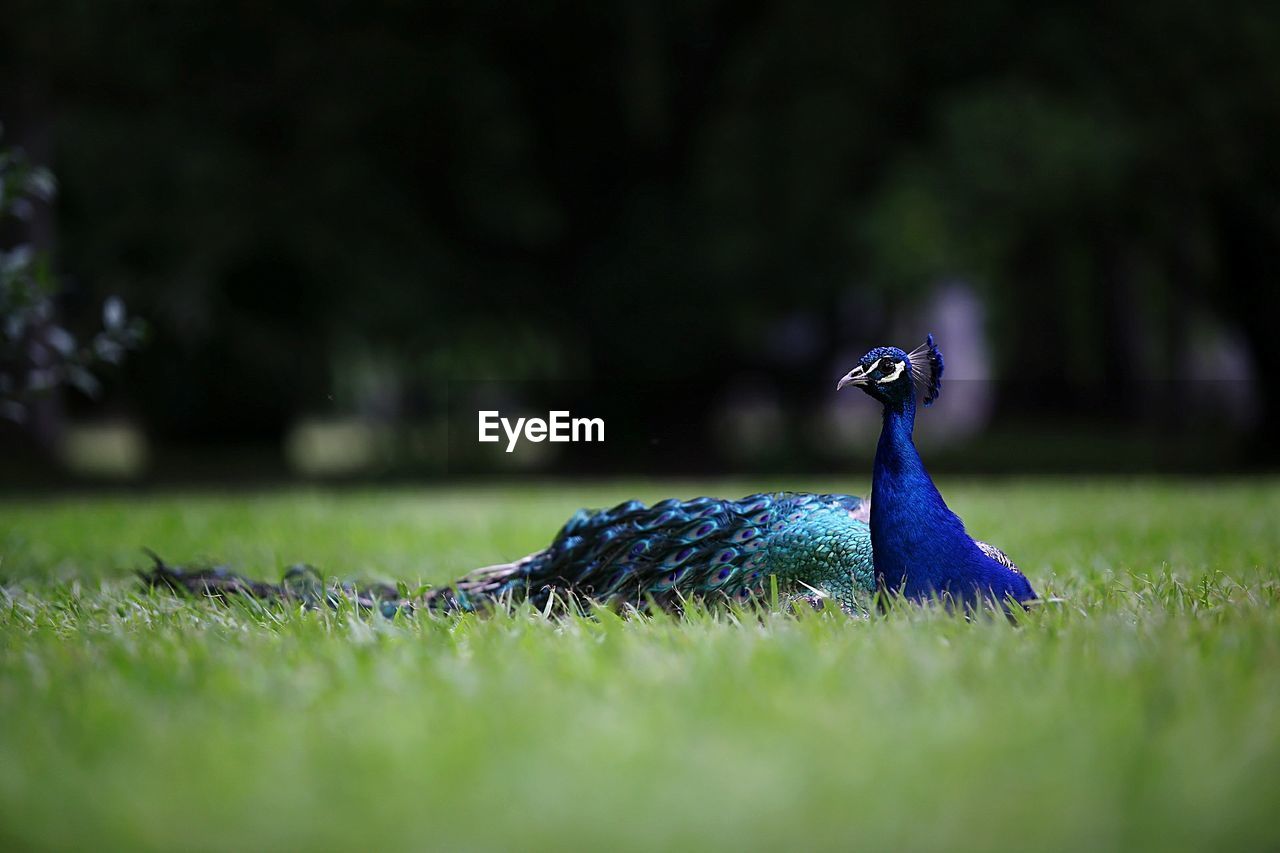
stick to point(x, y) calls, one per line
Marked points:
point(909, 519)
point(896, 452)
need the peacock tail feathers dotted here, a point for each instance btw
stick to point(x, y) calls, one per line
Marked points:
point(704, 548)
point(709, 549)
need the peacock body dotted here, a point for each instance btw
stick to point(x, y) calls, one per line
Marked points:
point(921, 548)
point(904, 541)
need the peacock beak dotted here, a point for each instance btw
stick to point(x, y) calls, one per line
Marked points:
point(857, 376)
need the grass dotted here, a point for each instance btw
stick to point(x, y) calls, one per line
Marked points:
point(1141, 712)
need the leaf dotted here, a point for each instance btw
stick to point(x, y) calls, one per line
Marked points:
point(107, 349)
point(84, 380)
point(16, 259)
point(113, 313)
point(41, 379)
point(61, 340)
point(41, 184)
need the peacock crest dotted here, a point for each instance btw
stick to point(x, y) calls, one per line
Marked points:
point(926, 369)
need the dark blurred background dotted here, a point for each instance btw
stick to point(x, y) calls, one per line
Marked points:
point(347, 227)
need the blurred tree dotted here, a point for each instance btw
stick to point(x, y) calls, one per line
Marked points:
point(38, 355)
point(631, 190)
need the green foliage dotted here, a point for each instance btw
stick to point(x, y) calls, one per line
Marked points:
point(37, 355)
point(1137, 712)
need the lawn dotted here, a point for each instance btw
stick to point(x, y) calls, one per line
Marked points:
point(1142, 711)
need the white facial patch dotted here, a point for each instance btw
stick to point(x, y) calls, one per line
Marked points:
point(898, 367)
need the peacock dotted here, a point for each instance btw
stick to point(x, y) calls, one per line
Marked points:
point(814, 547)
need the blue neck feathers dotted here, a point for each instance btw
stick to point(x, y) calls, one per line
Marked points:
point(919, 546)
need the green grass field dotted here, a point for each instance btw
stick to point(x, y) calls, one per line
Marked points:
point(1143, 712)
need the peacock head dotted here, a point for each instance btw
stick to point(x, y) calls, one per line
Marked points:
point(890, 375)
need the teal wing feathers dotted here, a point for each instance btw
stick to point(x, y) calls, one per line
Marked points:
point(704, 548)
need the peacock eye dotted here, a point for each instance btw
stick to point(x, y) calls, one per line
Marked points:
point(890, 370)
